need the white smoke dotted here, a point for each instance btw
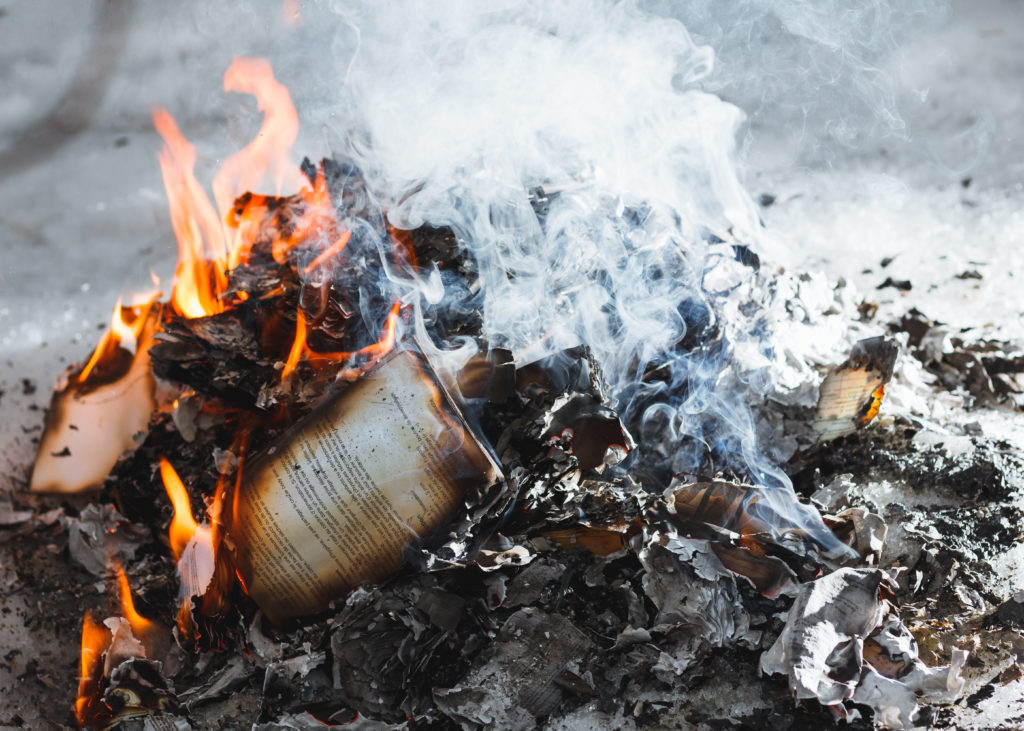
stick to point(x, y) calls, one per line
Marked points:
point(604, 112)
point(455, 112)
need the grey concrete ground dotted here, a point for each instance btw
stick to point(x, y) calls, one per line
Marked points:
point(83, 214)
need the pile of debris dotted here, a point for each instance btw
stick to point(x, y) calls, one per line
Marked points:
point(365, 528)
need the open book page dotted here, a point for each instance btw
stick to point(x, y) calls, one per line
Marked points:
point(383, 464)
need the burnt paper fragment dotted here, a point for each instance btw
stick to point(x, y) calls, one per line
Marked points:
point(99, 535)
point(522, 677)
point(769, 514)
point(593, 429)
point(841, 643)
point(852, 393)
point(98, 413)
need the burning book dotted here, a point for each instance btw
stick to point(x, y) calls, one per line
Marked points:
point(385, 464)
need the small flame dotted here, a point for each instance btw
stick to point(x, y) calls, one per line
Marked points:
point(373, 352)
point(95, 639)
point(387, 336)
point(298, 345)
point(140, 625)
point(183, 525)
point(126, 324)
point(192, 545)
point(215, 599)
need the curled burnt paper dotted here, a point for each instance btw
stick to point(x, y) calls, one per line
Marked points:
point(98, 413)
point(770, 514)
point(842, 641)
point(382, 465)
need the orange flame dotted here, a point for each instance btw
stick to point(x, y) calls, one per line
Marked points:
point(269, 153)
point(312, 217)
point(186, 534)
point(95, 639)
point(183, 525)
point(202, 252)
point(298, 345)
point(373, 352)
point(215, 599)
point(126, 324)
point(140, 625)
point(387, 336)
point(876, 403)
point(207, 248)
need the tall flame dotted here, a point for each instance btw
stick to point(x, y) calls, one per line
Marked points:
point(207, 246)
point(202, 251)
point(269, 153)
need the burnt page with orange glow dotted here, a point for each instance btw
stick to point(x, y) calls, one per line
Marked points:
point(382, 465)
point(101, 408)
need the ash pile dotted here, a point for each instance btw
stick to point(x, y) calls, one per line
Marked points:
point(376, 517)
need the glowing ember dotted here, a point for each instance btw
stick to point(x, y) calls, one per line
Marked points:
point(876, 403)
